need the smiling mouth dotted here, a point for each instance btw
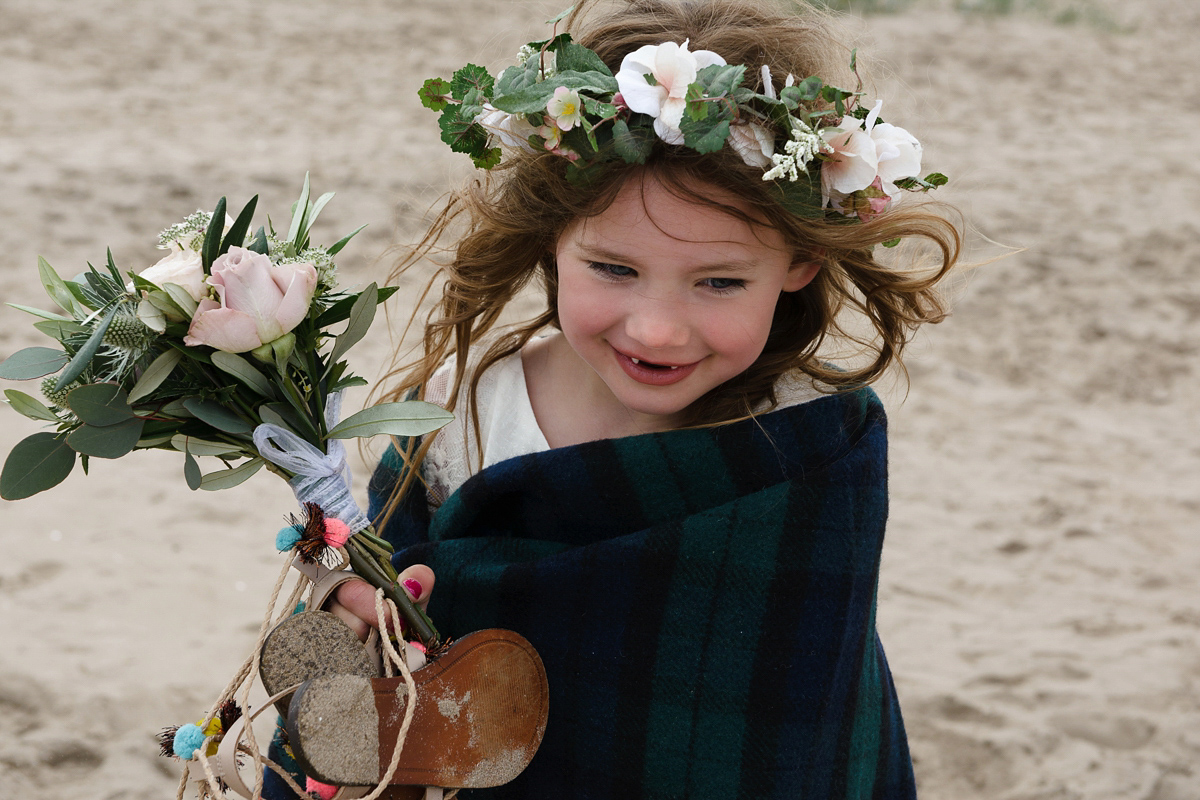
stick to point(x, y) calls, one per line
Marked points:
point(650, 365)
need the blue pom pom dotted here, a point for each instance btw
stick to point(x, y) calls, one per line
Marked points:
point(287, 537)
point(188, 740)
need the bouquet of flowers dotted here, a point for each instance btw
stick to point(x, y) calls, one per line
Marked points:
point(223, 349)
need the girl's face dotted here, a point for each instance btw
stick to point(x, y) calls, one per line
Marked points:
point(666, 299)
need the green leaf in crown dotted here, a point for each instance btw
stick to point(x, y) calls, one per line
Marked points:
point(806, 135)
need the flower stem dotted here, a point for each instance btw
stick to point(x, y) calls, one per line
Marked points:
point(371, 571)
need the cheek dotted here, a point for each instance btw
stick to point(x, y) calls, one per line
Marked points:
point(581, 308)
point(742, 332)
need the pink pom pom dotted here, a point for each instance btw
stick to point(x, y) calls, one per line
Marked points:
point(336, 532)
point(321, 790)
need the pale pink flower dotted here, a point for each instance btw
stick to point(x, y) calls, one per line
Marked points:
point(565, 108)
point(257, 301)
point(673, 69)
point(754, 143)
point(864, 150)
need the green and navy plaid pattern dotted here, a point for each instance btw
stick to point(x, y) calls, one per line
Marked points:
point(703, 600)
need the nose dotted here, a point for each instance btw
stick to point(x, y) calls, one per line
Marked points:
point(657, 323)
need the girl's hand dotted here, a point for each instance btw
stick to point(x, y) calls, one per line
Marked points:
point(354, 601)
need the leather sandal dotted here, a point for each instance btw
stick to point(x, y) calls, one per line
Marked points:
point(479, 718)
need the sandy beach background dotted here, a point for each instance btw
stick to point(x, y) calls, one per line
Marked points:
point(1038, 599)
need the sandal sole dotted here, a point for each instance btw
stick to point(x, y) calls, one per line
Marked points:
point(310, 645)
point(480, 716)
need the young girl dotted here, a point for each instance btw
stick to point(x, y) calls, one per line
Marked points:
point(659, 480)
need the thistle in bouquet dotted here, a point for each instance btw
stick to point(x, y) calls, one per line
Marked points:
point(224, 349)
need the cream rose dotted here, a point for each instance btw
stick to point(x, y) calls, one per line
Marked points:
point(183, 268)
point(258, 301)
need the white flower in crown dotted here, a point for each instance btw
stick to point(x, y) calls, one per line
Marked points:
point(862, 150)
point(673, 68)
point(511, 130)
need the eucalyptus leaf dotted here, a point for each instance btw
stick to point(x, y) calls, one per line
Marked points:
point(59, 329)
point(216, 415)
point(110, 441)
point(32, 362)
point(176, 408)
point(362, 314)
point(182, 299)
point(37, 463)
point(163, 302)
point(271, 415)
point(244, 371)
point(56, 288)
point(37, 312)
point(200, 447)
point(29, 406)
point(337, 248)
point(83, 357)
point(407, 418)
point(228, 478)
point(100, 404)
point(191, 471)
point(158, 371)
point(151, 316)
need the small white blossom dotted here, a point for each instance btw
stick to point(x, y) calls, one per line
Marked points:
point(524, 54)
point(547, 59)
point(802, 148)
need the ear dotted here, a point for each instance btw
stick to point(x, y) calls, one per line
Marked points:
point(800, 274)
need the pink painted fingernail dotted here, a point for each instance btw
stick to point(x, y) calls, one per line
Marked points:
point(414, 588)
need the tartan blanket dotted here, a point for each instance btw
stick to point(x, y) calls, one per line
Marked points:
point(703, 600)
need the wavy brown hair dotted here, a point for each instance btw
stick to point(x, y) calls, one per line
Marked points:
point(506, 225)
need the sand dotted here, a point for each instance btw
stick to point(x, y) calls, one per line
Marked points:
point(1038, 597)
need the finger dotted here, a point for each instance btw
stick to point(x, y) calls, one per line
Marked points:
point(360, 627)
point(418, 580)
point(357, 597)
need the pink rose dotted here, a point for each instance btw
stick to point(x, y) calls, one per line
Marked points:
point(258, 301)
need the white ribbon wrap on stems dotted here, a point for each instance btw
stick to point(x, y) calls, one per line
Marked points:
point(321, 478)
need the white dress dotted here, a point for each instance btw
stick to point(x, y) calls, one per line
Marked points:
point(507, 425)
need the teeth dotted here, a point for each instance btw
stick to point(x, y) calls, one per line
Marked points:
point(636, 360)
point(674, 367)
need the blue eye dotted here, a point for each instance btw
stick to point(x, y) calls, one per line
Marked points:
point(611, 270)
point(725, 284)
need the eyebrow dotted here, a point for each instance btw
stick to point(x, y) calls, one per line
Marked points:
point(599, 252)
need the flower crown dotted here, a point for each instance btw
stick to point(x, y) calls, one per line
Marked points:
point(823, 150)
